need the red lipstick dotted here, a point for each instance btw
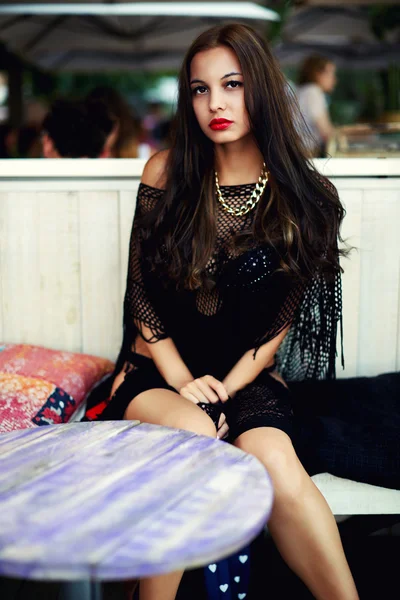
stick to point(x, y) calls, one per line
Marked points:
point(219, 124)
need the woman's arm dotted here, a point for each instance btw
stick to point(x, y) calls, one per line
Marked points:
point(324, 126)
point(163, 351)
point(166, 358)
point(249, 366)
point(158, 345)
point(319, 112)
point(168, 361)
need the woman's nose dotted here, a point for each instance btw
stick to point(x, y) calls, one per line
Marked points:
point(217, 101)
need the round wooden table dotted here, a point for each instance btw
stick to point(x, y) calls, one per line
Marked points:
point(122, 500)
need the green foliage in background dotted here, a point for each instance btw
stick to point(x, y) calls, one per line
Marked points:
point(393, 87)
point(132, 85)
point(358, 97)
point(383, 18)
point(126, 83)
point(361, 95)
point(274, 28)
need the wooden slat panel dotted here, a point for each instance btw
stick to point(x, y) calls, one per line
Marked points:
point(40, 270)
point(127, 205)
point(60, 293)
point(100, 273)
point(20, 268)
point(380, 259)
point(3, 228)
point(398, 328)
point(1, 301)
point(351, 233)
point(40, 240)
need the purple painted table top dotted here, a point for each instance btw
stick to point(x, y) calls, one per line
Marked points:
point(116, 500)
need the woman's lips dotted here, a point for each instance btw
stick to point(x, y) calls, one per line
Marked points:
point(219, 124)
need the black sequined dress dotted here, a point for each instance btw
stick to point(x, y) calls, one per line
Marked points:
point(249, 303)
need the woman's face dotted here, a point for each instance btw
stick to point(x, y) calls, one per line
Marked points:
point(216, 82)
point(326, 79)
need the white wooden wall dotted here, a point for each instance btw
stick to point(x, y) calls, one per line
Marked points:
point(64, 250)
point(63, 260)
point(371, 280)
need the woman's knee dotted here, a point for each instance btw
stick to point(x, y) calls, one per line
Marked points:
point(197, 422)
point(275, 450)
point(164, 407)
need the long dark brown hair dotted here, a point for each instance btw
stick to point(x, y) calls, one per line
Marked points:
point(302, 214)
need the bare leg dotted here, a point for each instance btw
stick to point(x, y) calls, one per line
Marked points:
point(163, 407)
point(301, 524)
point(163, 587)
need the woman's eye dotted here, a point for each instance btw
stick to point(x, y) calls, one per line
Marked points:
point(201, 89)
point(234, 84)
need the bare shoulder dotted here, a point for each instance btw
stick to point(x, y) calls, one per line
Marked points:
point(154, 173)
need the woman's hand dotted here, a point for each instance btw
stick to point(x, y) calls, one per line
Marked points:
point(208, 390)
point(204, 389)
point(223, 428)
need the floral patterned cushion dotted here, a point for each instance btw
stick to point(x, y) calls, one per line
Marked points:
point(40, 386)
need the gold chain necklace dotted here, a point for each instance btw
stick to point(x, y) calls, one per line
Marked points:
point(251, 202)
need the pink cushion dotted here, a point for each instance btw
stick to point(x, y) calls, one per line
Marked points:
point(26, 402)
point(40, 386)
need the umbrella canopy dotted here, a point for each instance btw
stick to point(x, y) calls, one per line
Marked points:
point(98, 36)
point(340, 30)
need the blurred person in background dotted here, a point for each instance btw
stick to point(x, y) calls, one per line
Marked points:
point(317, 78)
point(161, 134)
point(8, 141)
point(29, 142)
point(124, 140)
point(35, 111)
point(77, 129)
point(155, 126)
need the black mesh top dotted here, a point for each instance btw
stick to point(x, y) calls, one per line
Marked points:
point(249, 303)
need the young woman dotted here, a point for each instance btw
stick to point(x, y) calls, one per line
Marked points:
point(317, 78)
point(233, 256)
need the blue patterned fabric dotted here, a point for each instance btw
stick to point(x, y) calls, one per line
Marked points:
point(229, 579)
